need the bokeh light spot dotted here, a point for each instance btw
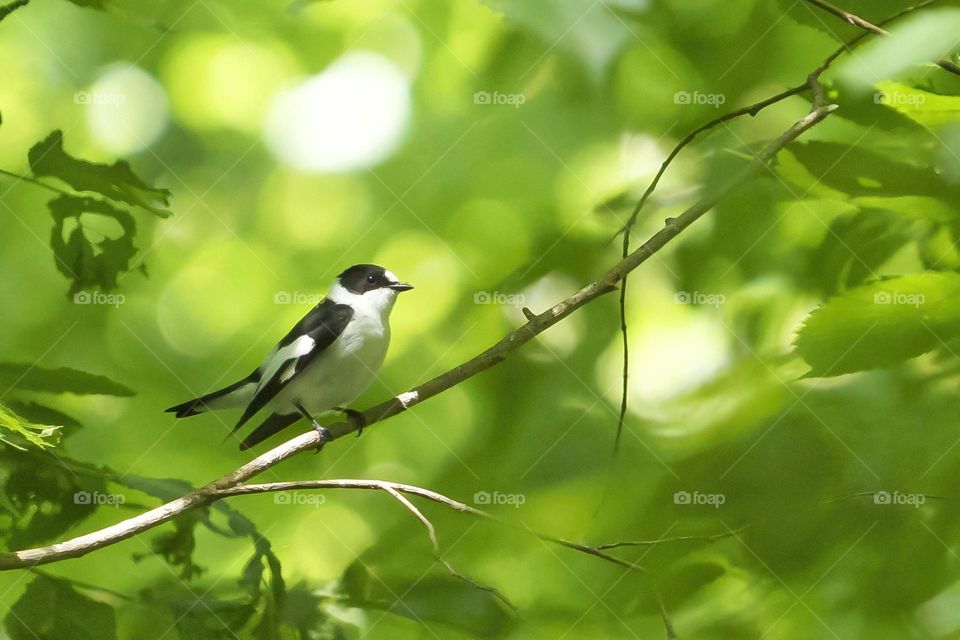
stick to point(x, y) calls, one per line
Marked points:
point(352, 115)
point(126, 109)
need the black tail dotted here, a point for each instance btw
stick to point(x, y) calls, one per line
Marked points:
point(270, 426)
point(199, 405)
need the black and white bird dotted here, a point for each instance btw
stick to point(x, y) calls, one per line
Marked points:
point(328, 359)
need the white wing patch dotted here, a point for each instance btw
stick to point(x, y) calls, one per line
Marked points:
point(296, 349)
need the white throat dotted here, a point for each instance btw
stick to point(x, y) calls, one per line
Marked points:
point(378, 302)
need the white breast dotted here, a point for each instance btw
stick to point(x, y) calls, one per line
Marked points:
point(345, 369)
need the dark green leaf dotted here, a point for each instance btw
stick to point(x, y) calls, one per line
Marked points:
point(116, 181)
point(47, 497)
point(24, 377)
point(176, 547)
point(443, 599)
point(53, 610)
point(91, 262)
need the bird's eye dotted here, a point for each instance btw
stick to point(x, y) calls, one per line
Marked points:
point(371, 279)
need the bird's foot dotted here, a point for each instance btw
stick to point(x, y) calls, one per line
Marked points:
point(355, 417)
point(324, 433)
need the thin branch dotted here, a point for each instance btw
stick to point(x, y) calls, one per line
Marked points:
point(34, 181)
point(851, 18)
point(658, 541)
point(432, 534)
point(7, 9)
point(751, 110)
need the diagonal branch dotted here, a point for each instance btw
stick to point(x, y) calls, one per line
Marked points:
point(846, 16)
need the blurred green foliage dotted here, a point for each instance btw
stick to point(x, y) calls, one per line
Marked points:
point(192, 175)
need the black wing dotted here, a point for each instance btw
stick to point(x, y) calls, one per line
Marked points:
point(323, 324)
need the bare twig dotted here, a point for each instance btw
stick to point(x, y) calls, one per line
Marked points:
point(432, 534)
point(846, 16)
point(658, 541)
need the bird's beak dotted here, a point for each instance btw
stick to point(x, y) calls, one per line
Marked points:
point(400, 286)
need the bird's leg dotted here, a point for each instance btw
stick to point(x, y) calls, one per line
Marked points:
point(325, 435)
point(356, 417)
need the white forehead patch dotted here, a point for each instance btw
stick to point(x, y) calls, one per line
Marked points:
point(390, 276)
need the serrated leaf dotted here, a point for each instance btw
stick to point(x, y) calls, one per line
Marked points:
point(53, 610)
point(881, 324)
point(90, 263)
point(115, 181)
point(25, 377)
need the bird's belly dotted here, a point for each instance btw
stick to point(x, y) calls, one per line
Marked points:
point(337, 376)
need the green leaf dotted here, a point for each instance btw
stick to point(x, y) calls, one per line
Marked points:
point(442, 599)
point(16, 431)
point(48, 496)
point(881, 324)
point(921, 38)
point(855, 171)
point(91, 263)
point(200, 615)
point(858, 244)
point(926, 108)
point(53, 610)
point(176, 547)
point(116, 181)
point(25, 377)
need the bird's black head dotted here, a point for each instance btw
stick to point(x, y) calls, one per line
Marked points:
point(361, 278)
